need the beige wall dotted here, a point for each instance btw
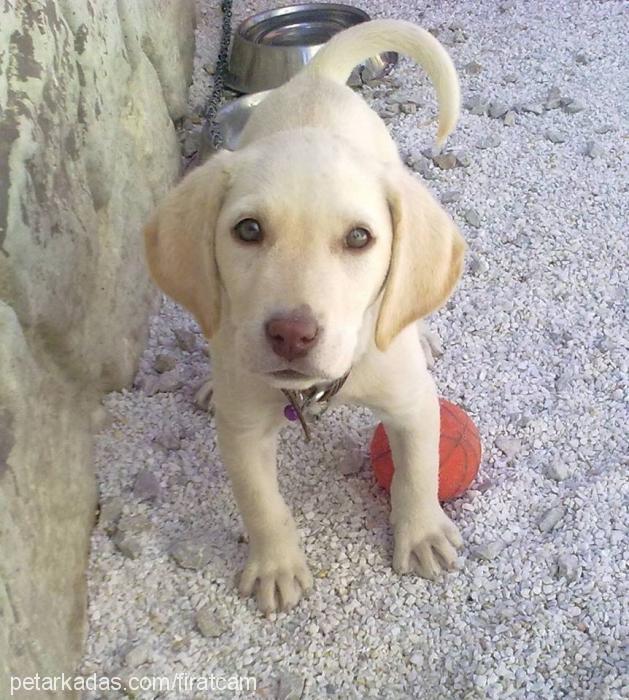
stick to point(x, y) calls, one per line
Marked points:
point(89, 90)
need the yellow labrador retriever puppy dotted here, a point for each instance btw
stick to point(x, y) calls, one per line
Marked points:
point(307, 256)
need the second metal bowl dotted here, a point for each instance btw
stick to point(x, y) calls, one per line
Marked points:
point(232, 118)
point(271, 47)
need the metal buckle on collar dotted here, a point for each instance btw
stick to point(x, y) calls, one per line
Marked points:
point(311, 403)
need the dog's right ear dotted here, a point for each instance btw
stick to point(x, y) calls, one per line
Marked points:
point(179, 241)
point(426, 257)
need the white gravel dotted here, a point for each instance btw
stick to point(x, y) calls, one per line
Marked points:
point(535, 349)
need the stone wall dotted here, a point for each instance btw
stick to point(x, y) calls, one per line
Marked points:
point(89, 90)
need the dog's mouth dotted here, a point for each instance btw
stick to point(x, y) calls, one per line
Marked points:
point(290, 374)
point(292, 379)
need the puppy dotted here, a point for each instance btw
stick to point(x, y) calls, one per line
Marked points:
point(307, 255)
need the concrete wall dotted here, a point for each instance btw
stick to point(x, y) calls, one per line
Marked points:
point(89, 90)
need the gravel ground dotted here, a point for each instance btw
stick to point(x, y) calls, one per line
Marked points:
point(535, 350)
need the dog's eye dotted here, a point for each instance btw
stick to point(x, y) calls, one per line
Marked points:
point(357, 238)
point(249, 231)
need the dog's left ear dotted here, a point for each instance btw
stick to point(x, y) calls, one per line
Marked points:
point(427, 254)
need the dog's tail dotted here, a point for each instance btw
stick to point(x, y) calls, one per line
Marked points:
point(338, 58)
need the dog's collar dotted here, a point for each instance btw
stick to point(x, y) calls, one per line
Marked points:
point(312, 402)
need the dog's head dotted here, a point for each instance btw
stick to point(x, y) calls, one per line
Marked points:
point(303, 252)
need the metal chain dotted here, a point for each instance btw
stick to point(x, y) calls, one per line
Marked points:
point(211, 139)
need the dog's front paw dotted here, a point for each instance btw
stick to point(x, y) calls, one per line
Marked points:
point(278, 579)
point(426, 544)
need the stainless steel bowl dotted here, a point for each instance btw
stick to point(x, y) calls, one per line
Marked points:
point(232, 117)
point(270, 47)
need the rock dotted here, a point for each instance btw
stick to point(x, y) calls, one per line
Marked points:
point(352, 461)
point(483, 485)
point(508, 5)
point(164, 363)
point(138, 655)
point(422, 167)
point(509, 118)
point(505, 611)
point(169, 438)
point(447, 37)
point(290, 686)
point(463, 159)
point(582, 58)
point(163, 383)
point(409, 98)
point(369, 74)
point(551, 518)
point(355, 79)
point(180, 644)
point(110, 512)
point(478, 266)
point(604, 129)
point(192, 553)
point(386, 114)
point(497, 109)
point(510, 78)
point(488, 551)
point(134, 524)
point(445, 161)
point(432, 152)
point(408, 108)
point(146, 487)
point(553, 99)
point(88, 95)
point(450, 196)
point(533, 108)
point(210, 624)
point(555, 136)
point(472, 217)
point(509, 446)
point(128, 545)
point(568, 567)
point(490, 141)
point(472, 68)
point(478, 106)
point(186, 340)
point(558, 470)
point(593, 149)
point(564, 380)
point(573, 107)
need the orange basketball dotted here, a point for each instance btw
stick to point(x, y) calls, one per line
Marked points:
point(459, 453)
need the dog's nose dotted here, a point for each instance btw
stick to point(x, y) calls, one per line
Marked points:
point(293, 335)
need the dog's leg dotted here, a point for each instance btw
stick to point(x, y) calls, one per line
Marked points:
point(276, 569)
point(426, 540)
